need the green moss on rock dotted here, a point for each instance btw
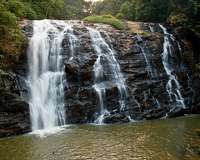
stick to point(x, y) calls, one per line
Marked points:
point(106, 19)
point(197, 148)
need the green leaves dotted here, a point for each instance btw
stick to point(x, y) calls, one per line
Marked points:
point(2, 74)
point(186, 14)
point(6, 17)
point(125, 12)
point(11, 36)
point(108, 7)
point(55, 9)
point(14, 6)
point(29, 12)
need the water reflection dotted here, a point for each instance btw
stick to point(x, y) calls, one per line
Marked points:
point(156, 140)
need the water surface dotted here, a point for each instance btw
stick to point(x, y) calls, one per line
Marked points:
point(165, 139)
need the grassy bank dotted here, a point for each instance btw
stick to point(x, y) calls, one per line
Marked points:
point(107, 19)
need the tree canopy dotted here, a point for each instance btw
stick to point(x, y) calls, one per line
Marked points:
point(183, 13)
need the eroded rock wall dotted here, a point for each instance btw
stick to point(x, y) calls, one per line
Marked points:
point(139, 54)
point(14, 111)
point(147, 95)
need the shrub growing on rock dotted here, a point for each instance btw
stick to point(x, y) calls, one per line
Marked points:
point(107, 19)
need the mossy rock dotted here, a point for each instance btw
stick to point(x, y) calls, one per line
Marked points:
point(198, 132)
point(195, 144)
point(106, 19)
point(197, 148)
point(144, 33)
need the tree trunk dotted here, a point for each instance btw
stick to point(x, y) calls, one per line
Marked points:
point(47, 11)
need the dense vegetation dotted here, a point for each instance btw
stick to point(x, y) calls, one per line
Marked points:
point(11, 37)
point(55, 9)
point(107, 19)
point(178, 13)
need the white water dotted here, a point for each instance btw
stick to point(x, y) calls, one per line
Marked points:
point(173, 86)
point(46, 75)
point(104, 52)
point(69, 33)
point(151, 28)
point(150, 69)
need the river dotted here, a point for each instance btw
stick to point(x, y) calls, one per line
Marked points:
point(163, 139)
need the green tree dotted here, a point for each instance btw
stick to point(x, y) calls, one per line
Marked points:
point(186, 13)
point(29, 12)
point(125, 12)
point(80, 8)
point(108, 7)
point(14, 6)
point(10, 33)
point(151, 11)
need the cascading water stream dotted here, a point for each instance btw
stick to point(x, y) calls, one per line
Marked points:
point(69, 33)
point(173, 86)
point(46, 76)
point(151, 28)
point(104, 52)
point(149, 62)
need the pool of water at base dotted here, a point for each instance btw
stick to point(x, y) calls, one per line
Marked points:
point(163, 139)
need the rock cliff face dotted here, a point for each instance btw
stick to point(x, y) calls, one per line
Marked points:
point(139, 53)
point(14, 111)
point(140, 56)
point(150, 92)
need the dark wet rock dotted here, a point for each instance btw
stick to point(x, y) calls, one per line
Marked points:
point(116, 118)
point(14, 114)
point(14, 110)
point(147, 97)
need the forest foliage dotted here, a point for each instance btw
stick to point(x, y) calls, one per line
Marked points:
point(178, 13)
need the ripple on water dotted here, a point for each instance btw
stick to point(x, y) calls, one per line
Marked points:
point(49, 131)
point(154, 140)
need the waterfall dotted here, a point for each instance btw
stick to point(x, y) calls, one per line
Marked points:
point(74, 68)
point(46, 75)
point(104, 52)
point(151, 28)
point(173, 86)
point(147, 56)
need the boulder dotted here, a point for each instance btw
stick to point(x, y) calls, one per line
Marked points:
point(14, 114)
